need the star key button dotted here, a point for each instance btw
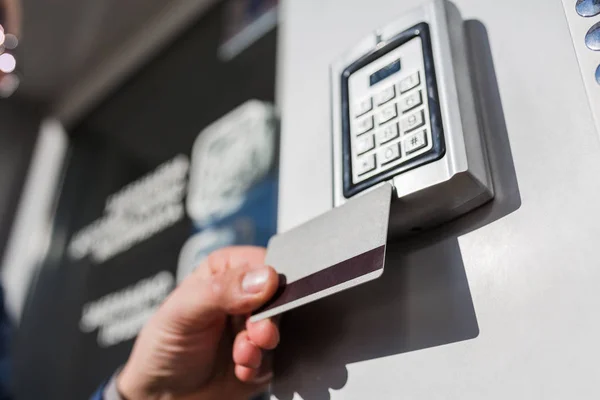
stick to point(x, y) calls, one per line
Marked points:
point(365, 164)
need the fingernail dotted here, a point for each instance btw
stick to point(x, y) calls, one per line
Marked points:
point(254, 281)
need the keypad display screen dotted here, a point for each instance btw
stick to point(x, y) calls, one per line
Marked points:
point(384, 72)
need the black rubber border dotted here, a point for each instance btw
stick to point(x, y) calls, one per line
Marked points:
point(439, 147)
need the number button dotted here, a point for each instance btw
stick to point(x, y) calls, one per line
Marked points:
point(387, 113)
point(412, 122)
point(415, 142)
point(364, 143)
point(365, 164)
point(389, 154)
point(598, 74)
point(388, 133)
point(364, 125)
point(386, 95)
point(411, 101)
point(363, 107)
point(411, 82)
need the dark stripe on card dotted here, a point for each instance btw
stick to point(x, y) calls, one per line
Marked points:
point(337, 274)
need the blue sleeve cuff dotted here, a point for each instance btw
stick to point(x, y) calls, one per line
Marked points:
point(98, 393)
point(108, 391)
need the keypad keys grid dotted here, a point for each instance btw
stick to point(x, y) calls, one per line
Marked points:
point(389, 127)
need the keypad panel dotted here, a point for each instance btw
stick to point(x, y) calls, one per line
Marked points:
point(390, 124)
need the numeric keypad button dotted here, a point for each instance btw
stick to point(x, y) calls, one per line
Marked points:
point(364, 143)
point(412, 121)
point(364, 125)
point(387, 133)
point(389, 154)
point(410, 82)
point(365, 164)
point(363, 107)
point(385, 95)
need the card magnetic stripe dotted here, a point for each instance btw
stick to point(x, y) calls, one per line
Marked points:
point(337, 274)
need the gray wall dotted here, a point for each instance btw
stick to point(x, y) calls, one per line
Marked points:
point(501, 304)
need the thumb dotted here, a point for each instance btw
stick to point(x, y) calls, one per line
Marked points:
point(219, 288)
point(238, 291)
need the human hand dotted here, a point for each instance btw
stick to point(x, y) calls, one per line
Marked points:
point(187, 349)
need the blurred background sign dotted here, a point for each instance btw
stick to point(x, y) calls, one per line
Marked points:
point(122, 234)
point(245, 22)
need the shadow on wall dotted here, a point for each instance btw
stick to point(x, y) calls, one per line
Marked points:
point(423, 298)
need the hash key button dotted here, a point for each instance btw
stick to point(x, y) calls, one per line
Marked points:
point(415, 142)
